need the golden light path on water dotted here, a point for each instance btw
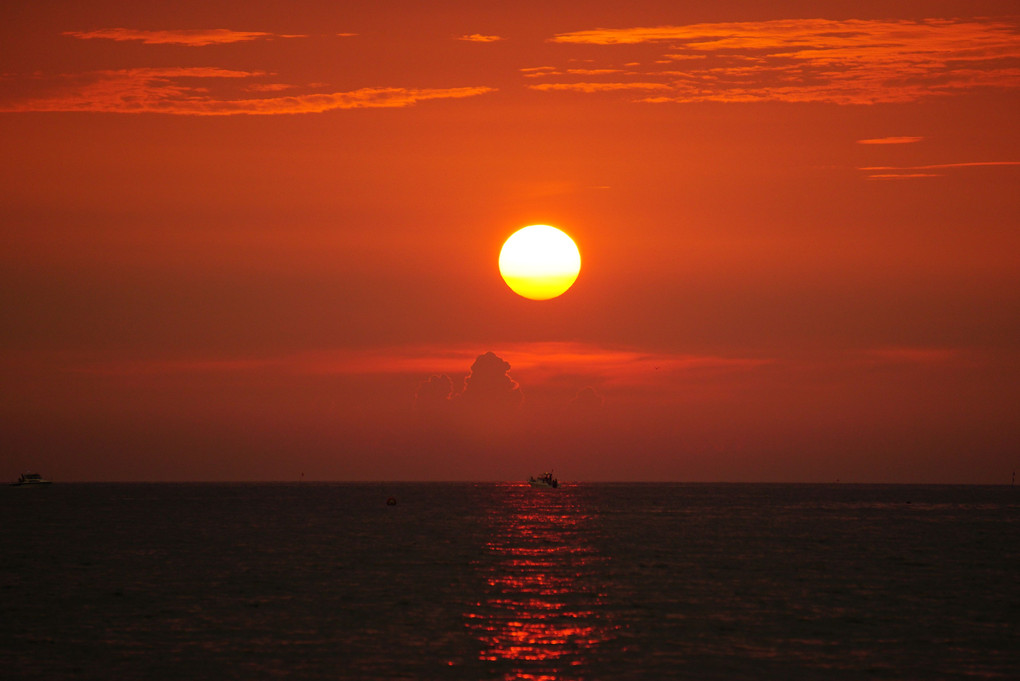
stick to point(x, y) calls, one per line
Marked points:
point(541, 618)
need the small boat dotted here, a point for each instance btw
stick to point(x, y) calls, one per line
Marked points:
point(546, 481)
point(30, 479)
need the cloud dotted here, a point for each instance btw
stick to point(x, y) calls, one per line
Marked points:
point(538, 71)
point(891, 140)
point(586, 401)
point(541, 362)
point(906, 172)
point(618, 368)
point(190, 91)
point(902, 176)
point(433, 395)
point(597, 87)
point(196, 37)
point(819, 60)
point(489, 385)
point(940, 166)
point(681, 57)
point(488, 395)
point(480, 38)
point(268, 87)
point(593, 72)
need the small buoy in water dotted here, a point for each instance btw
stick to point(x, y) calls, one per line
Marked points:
point(392, 501)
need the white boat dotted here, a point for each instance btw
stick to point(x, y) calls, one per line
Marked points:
point(30, 479)
point(546, 481)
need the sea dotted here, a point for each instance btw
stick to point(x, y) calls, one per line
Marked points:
point(502, 581)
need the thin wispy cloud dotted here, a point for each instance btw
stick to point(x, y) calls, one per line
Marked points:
point(593, 72)
point(907, 172)
point(205, 91)
point(539, 361)
point(196, 37)
point(269, 87)
point(589, 87)
point(891, 140)
point(817, 60)
point(480, 38)
point(940, 166)
point(901, 176)
point(539, 71)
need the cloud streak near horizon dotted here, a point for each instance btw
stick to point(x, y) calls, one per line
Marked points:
point(856, 61)
point(480, 38)
point(175, 91)
point(197, 37)
point(891, 140)
point(903, 172)
point(535, 359)
point(940, 166)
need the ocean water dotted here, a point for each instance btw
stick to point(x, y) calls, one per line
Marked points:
point(499, 581)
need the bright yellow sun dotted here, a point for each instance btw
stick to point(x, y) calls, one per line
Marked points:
point(539, 262)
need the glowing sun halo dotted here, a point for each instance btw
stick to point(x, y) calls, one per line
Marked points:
point(539, 262)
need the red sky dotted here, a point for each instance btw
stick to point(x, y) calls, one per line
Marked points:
point(236, 241)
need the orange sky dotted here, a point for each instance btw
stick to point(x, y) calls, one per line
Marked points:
point(237, 241)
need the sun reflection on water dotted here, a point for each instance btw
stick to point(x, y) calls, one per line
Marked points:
point(541, 617)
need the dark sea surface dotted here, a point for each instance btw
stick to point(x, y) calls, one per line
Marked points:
point(499, 581)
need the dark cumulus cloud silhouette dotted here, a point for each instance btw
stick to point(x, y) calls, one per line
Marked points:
point(489, 385)
point(488, 388)
point(434, 395)
point(587, 400)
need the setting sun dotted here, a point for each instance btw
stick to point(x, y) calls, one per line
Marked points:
point(539, 262)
